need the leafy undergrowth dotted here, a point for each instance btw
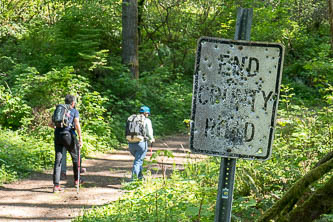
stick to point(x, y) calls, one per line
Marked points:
point(174, 199)
point(21, 155)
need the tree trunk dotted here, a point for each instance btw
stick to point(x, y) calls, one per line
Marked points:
point(326, 158)
point(295, 193)
point(330, 18)
point(319, 203)
point(140, 11)
point(130, 36)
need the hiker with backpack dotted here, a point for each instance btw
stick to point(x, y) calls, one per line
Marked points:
point(67, 134)
point(139, 131)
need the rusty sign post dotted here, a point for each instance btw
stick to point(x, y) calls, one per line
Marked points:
point(235, 96)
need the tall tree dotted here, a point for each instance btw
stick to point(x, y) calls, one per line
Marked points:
point(330, 17)
point(130, 36)
point(140, 9)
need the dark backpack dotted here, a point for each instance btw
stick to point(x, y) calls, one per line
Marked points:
point(135, 130)
point(61, 116)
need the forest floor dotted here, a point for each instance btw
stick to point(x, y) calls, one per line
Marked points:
point(32, 199)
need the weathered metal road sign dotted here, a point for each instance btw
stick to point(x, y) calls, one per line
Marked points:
point(235, 97)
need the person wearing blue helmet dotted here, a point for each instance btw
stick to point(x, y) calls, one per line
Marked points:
point(139, 148)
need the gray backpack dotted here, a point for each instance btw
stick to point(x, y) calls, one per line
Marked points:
point(135, 129)
point(61, 116)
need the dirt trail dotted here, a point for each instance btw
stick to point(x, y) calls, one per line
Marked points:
point(32, 199)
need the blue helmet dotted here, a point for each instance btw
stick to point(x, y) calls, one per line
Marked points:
point(144, 109)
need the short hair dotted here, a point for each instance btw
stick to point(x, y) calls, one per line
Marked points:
point(69, 99)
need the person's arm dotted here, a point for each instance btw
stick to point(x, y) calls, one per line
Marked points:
point(149, 130)
point(78, 130)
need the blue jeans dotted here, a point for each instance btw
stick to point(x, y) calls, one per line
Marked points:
point(139, 151)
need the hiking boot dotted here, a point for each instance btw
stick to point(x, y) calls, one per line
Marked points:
point(57, 189)
point(83, 170)
point(63, 176)
point(76, 182)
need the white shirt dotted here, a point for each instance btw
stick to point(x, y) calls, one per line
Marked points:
point(149, 129)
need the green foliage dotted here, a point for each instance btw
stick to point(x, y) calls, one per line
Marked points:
point(13, 111)
point(47, 89)
point(172, 98)
point(171, 28)
point(308, 67)
point(95, 123)
point(329, 94)
point(171, 200)
point(20, 155)
point(325, 218)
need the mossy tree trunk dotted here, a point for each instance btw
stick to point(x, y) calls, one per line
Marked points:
point(319, 203)
point(281, 210)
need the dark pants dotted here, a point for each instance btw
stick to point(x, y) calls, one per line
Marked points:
point(63, 162)
point(64, 139)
